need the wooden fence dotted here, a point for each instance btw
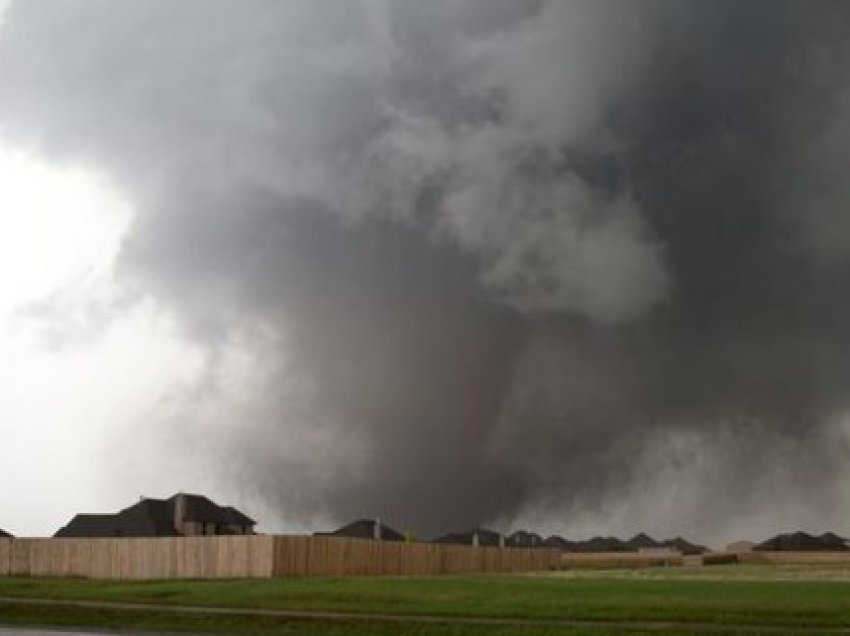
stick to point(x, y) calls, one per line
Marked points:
point(333, 556)
point(782, 557)
point(138, 558)
point(255, 557)
point(616, 560)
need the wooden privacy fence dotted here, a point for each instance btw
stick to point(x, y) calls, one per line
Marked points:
point(794, 558)
point(255, 557)
point(139, 558)
point(605, 560)
point(334, 556)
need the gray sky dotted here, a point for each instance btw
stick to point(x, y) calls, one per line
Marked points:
point(579, 266)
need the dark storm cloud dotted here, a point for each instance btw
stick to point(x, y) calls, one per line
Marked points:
point(512, 255)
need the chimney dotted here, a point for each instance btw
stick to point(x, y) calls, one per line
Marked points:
point(376, 534)
point(475, 539)
point(501, 541)
point(179, 512)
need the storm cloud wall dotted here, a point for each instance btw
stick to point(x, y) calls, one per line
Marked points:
point(580, 264)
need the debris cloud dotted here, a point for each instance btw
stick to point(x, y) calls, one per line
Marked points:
point(581, 262)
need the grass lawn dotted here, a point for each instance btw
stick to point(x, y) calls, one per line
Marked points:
point(261, 626)
point(797, 597)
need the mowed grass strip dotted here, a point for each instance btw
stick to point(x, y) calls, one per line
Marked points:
point(101, 619)
point(751, 572)
point(65, 617)
point(602, 598)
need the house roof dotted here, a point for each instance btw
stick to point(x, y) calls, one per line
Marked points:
point(153, 517)
point(685, 547)
point(364, 529)
point(832, 538)
point(5, 534)
point(201, 509)
point(524, 539)
point(559, 542)
point(233, 517)
point(148, 517)
point(601, 544)
point(643, 540)
point(485, 537)
point(89, 525)
point(804, 542)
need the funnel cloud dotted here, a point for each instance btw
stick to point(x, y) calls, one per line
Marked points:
point(579, 264)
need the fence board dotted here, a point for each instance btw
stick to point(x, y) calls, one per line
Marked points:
point(602, 560)
point(255, 557)
point(336, 556)
point(138, 558)
point(5, 556)
point(792, 558)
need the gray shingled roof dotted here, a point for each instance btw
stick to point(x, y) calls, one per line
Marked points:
point(524, 539)
point(364, 529)
point(152, 518)
point(643, 540)
point(685, 547)
point(147, 518)
point(234, 517)
point(555, 541)
point(804, 542)
point(201, 510)
point(89, 525)
point(485, 538)
point(601, 544)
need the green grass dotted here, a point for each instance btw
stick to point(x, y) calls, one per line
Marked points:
point(262, 626)
point(751, 572)
point(790, 596)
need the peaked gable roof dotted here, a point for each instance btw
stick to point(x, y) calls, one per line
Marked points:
point(804, 542)
point(643, 540)
point(601, 544)
point(153, 518)
point(148, 517)
point(485, 538)
point(556, 541)
point(685, 547)
point(524, 539)
point(364, 529)
point(201, 509)
point(234, 517)
point(89, 525)
point(830, 538)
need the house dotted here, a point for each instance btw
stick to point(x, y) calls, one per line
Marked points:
point(524, 539)
point(5, 535)
point(804, 542)
point(479, 537)
point(643, 541)
point(601, 544)
point(180, 515)
point(644, 544)
point(92, 525)
point(558, 542)
point(365, 529)
point(685, 547)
